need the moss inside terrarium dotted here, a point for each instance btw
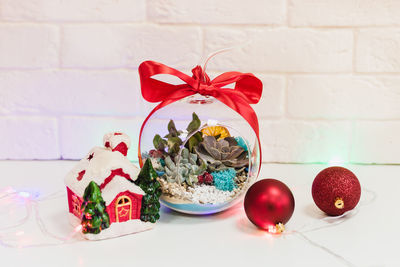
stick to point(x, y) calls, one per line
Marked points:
point(204, 165)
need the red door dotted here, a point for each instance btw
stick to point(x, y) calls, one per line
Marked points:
point(123, 209)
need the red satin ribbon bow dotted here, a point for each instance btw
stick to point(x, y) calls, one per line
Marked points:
point(247, 90)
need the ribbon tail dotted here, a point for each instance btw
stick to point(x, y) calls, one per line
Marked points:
point(247, 84)
point(246, 111)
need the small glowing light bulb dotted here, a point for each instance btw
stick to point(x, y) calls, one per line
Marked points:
point(271, 229)
point(276, 229)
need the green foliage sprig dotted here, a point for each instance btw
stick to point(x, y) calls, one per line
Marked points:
point(172, 142)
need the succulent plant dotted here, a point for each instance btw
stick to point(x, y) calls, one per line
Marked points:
point(241, 142)
point(222, 154)
point(173, 142)
point(188, 169)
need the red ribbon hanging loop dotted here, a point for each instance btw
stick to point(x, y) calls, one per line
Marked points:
point(247, 90)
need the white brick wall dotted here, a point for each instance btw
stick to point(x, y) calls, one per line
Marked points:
point(305, 141)
point(281, 50)
point(125, 46)
point(27, 46)
point(343, 97)
point(346, 13)
point(270, 12)
point(378, 50)
point(27, 137)
point(73, 10)
point(330, 68)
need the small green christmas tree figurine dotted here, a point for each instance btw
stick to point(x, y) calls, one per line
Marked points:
point(147, 180)
point(95, 217)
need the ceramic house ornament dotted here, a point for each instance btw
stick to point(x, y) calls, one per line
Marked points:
point(108, 195)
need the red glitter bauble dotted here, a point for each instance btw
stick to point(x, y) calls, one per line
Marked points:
point(269, 202)
point(336, 190)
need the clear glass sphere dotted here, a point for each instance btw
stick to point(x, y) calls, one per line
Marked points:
point(206, 154)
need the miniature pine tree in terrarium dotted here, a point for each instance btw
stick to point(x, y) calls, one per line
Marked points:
point(147, 180)
point(95, 217)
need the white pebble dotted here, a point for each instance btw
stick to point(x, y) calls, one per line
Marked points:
point(207, 194)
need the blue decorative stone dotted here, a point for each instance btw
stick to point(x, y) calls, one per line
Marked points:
point(160, 173)
point(224, 180)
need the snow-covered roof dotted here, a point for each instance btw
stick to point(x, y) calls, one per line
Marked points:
point(97, 166)
point(113, 188)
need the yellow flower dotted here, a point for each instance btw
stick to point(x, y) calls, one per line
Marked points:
point(220, 131)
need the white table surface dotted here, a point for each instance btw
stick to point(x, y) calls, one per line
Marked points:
point(369, 236)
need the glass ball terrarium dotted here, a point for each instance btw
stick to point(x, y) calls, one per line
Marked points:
point(205, 154)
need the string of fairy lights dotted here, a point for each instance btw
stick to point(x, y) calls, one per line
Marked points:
point(329, 222)
point(14, 201)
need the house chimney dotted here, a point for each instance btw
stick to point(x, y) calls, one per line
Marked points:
point(117, 141)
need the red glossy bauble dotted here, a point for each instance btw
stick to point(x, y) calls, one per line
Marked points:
point(336, 190)
point(268, 202)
